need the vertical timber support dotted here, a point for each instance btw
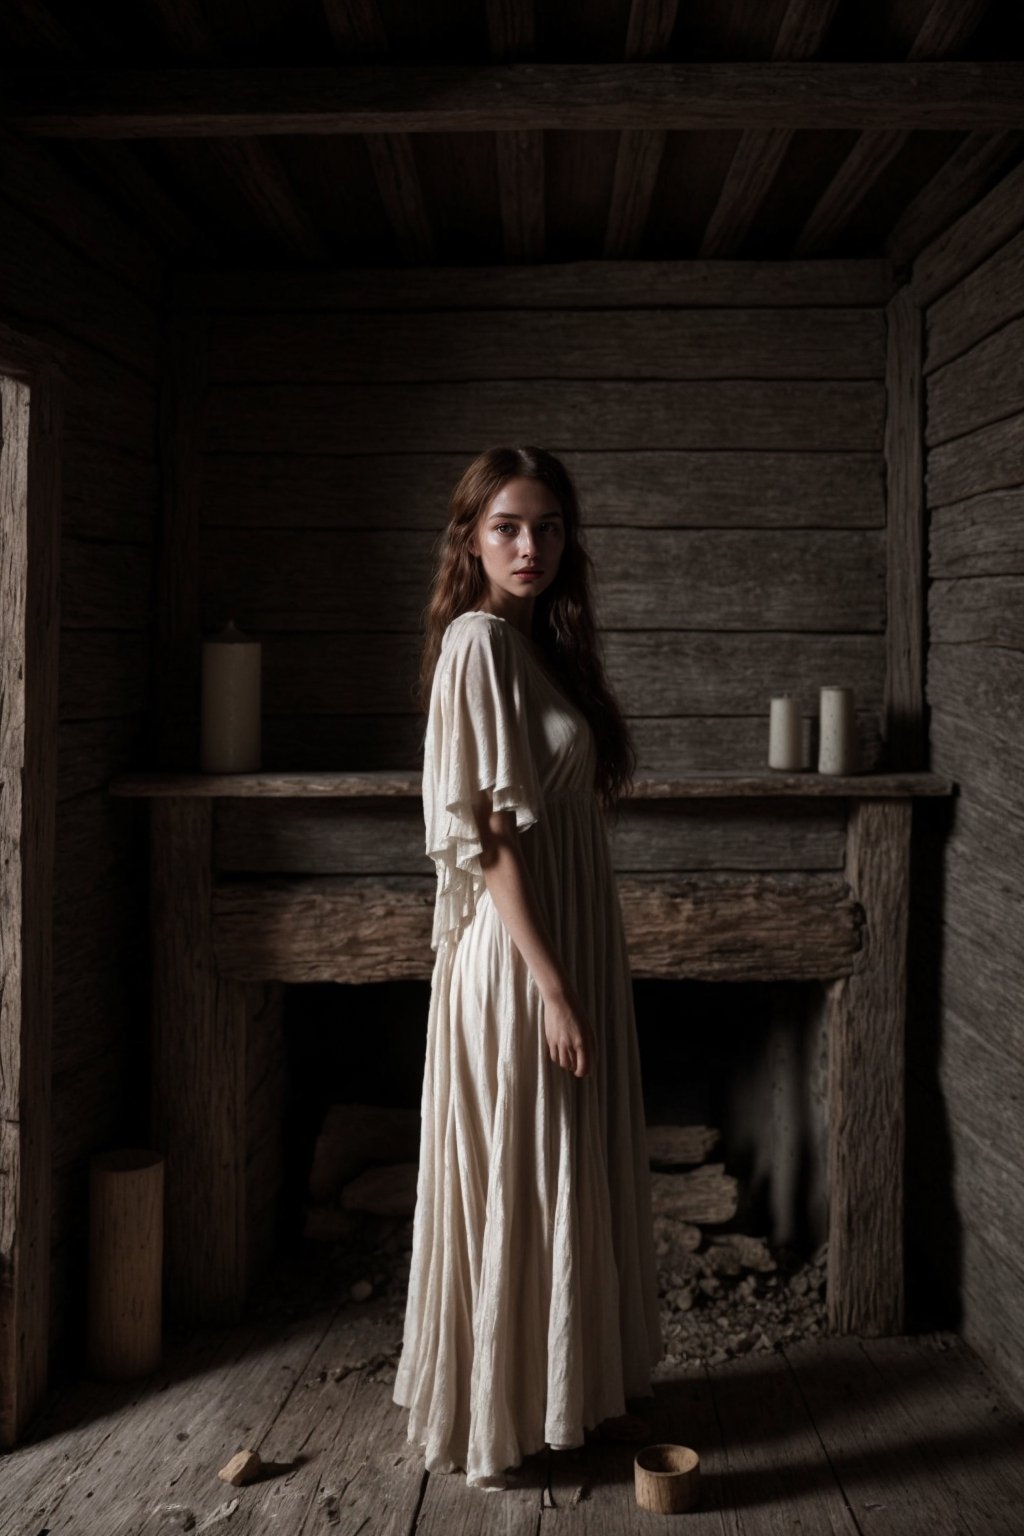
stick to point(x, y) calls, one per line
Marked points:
point(200, 1023)
point(866, 1132)
point(906, 742)
point(31, 431)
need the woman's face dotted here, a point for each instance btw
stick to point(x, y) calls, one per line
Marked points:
point(522, 526)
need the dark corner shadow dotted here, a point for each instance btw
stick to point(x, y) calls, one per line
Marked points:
point(932, 1226)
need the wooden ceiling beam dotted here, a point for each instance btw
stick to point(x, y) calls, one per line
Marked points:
point(520, 153)
point(360, 37)
point(960, 183)
point(946, 29)
point(202, 103)
point(401, 192)
point(520, 157)
point(759, 153)
point(640, 150)
point(249, 164)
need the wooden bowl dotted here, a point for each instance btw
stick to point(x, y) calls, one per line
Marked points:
point(667, 1478)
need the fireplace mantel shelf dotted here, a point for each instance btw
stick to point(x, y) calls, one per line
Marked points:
point(398, 785)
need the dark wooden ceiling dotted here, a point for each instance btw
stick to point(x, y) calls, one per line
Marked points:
point(471, 195)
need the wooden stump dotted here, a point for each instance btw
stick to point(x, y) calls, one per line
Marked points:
point(126, 1209)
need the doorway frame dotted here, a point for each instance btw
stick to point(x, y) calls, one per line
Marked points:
point(31, 445)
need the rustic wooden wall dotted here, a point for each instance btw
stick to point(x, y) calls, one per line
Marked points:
point(966, 1052)
point(725, 422)
point(76, 277)
point(732, 430)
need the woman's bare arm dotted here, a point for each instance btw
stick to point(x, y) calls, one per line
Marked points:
point(570, 1036)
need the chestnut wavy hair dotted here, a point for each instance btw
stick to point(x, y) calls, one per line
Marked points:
point(563, 618)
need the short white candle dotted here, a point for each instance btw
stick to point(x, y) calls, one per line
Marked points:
point(784, 741)
point(230, 731)
point(837, 739)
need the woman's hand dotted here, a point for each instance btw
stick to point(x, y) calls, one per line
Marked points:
point(569, 1033)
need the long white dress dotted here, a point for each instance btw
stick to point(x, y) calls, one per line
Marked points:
point(532, 1308)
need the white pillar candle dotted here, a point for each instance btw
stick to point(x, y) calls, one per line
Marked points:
point(784, 743)
point(837, 739)
point(230, 736)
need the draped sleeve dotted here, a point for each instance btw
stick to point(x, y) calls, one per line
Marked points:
point(477, 737)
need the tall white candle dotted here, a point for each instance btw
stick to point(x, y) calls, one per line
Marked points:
point(837, 739)
point(230, 729)
point(784, 742)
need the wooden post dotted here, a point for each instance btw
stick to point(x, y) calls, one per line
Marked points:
point(866, 1101)
point(906, 742)
point(31, 417)
point(199, 1078)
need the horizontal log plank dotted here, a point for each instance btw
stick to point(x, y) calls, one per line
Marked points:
point(984, 385)
point(400, 785)
point(545, 285)
point(815, 580)
point(980, 303)
point(634, 489)
point(982, 687)
point(425, 98)
point(105, 586)
point(660, 672)
point(989, 459)
point(91, 752)
point(986, 610)
point(753, 928)
point(667, 746)
point(107, 406)
point(979, 231)
point(103, 674)
point(404, 418)
point(108, 495)
point(983, 536)
point(305, 837)
point(652, 344)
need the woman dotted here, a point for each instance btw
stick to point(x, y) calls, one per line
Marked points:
point(532, 1311)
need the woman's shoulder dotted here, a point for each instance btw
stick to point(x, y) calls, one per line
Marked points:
point(472, 627)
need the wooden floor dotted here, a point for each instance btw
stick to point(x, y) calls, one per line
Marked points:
point(904, 1435)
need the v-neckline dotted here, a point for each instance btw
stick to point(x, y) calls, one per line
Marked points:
point(529, 651)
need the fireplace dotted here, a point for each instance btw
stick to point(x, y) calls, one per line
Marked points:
point(258, 881)
point(735, 1090)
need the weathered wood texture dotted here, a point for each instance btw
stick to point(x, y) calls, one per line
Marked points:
point(381, 784)
point(904, 554)
point(966, 1077)
point(31, 425)
point(865, 1020)
point(202, 1132)
point(77, 279)
point(362, 928)
point(727, 441)
point(310, 1385)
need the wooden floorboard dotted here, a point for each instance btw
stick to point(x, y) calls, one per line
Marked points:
point(834, 1435)
point(775, 1474)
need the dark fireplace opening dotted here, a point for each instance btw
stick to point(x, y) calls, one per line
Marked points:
point(734, 1093)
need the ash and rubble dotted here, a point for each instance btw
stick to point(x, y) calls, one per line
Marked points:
point(722, 1293)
